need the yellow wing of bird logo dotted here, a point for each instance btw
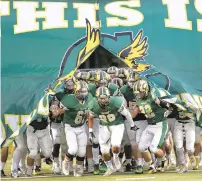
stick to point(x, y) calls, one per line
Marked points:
point(93, 40)
point(136, 50)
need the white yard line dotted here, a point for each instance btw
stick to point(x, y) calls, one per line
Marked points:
point(140, 178)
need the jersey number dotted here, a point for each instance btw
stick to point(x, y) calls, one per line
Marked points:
point(108, 118)
point(80, 117)
point(147, 111)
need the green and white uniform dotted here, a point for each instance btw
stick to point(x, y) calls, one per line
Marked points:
point(74, 119)
point(139, 121)
point(184, 127)
point(154, 134)
point(111, 122)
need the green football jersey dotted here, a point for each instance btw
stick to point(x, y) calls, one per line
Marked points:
point(112, 88)
point(76, 113)
point(131, 102)
point(110, 115)
point(153, 112)
point(60, 95)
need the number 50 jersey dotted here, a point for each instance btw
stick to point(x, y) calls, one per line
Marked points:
point(109, 116)
point(76, 113)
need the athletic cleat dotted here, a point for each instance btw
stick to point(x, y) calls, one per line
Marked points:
point(78, 172)
point(96, 170)
point(151, 169)
point(22, 170)
point(37, 170)
point(14, 174)
point(200, 163)
point(196, 167)
point(65, 167)
point(128, 167)
point(56, 168)
point(109, 171)
point(139, 169)
point(133, 163)
point(192, 161)
point(182, 169)
point(3, 174)
point(90, 168)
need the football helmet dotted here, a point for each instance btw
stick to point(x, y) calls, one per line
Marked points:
point(69, 85)
point(141, 89)
point(118, 82)
point(123, 74)
point(102, 94)
point(91, 76)
point(101, 78)
point(132, 79)
point(81, 76)
point(81, 91)
point(112, 71)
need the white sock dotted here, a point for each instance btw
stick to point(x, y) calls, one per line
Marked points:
point(56, 159)
point(29, 170)
point(140, 161)
point(90, 161)
point(95, 155)
point(22, 160)
point(2, 165)
point(115, 155)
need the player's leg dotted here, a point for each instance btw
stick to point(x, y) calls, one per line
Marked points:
point(55, 130)
point(4, 156)
point(104, 140)
point(190, 140)
point(116, 138)
point(20, 148)
point(32, 144)
point(145, 141)
point(157, 145)
point(141, 125)
point(89, 154)
point(81, 153)
point(95, 148)
point(72, 148)
point(178, 143)
point(197, 146)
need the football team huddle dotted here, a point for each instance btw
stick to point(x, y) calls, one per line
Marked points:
point(108, 121)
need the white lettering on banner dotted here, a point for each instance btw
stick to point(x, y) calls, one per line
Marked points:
point(5, 8)
point(120, 13)
point(86, 10)
point(27, 16)
point(198, 6)
point(177, 14)
point(131, 17)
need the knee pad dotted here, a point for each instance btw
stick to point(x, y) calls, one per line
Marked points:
point(33, 154)
point(95, 145)
point(70, 156)
point(81, 159)
point(73, 150)
point(153, 148)
point(104, 149)
point(56, 150)
point(81, 151)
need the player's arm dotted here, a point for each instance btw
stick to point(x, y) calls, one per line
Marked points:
point(163, 104)
point(125, 112)
point(91, 118)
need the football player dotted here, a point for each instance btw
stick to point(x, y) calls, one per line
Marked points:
point(109, 109)
point(153, 136)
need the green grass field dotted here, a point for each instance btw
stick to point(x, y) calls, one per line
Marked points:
point(170, 175)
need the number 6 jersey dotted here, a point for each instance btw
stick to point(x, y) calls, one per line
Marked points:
point(76, 113)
